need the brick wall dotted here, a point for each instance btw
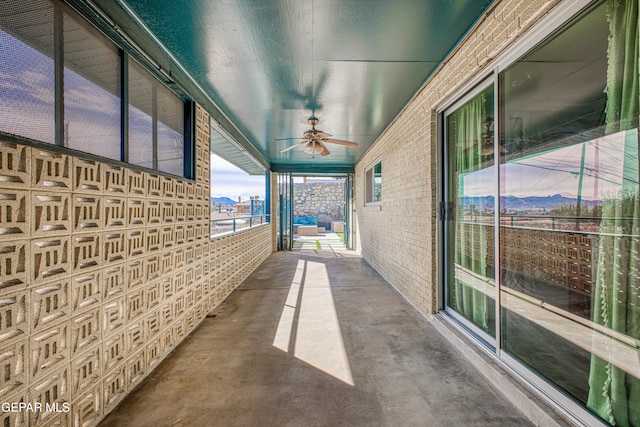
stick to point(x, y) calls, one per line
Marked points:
point(398, 238)
point(104, 270)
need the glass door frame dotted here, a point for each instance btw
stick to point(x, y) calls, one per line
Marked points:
point(348, 207)
point(285, 207)
point(564, 404)
point(544, 28)
point(482, 83)
point(285, 218)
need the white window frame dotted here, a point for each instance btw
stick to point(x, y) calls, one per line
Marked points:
point(369, 184)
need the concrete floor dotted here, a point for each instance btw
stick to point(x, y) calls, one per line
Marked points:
point(316, 338)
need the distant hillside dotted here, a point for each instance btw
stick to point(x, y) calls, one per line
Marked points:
point(537, 202)
point(223, 201)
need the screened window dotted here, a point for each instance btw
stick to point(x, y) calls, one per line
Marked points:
point(61, 82)
point(27, 79)
point(141, 112)
point(91, 91)
point(373, 184)
point(170, 132)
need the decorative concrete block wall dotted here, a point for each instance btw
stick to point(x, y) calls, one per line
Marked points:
point(104, 270)
point(405, 253)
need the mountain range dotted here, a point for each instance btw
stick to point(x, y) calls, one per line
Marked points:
point(223, 201)
point(521, 203)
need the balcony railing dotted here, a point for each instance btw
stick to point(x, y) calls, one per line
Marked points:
point(570, 224)
point(237, 223)
point(558, 251)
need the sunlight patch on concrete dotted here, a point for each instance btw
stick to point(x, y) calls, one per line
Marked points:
point(309, 327)
point(285, 326)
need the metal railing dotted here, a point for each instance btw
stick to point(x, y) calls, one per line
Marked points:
point(571, 224)
point(236, 223)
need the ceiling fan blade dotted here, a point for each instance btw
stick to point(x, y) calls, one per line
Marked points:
point(293, 146)
point(340, 142)
point(289, 139)
point(325, 151)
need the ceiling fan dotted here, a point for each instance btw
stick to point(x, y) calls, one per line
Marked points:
point(314, 140)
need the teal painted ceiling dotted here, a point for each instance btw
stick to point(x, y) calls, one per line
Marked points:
point(270, 64)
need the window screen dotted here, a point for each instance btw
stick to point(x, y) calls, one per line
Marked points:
point(27, 83)
point(91, 91)
point(61, 83)
point(141, 108)
point(170, 132)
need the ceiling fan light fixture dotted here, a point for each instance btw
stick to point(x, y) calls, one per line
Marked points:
point(314, 140)
point(313, 148)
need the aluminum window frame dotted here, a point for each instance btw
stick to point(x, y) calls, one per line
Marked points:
point(550, 23)
point(370, 185)
point(97, 23)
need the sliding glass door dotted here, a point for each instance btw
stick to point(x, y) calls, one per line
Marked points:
point(564, 268)
point(470, 196)
point(569, 211)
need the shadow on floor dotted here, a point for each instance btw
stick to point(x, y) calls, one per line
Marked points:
point(315, 339)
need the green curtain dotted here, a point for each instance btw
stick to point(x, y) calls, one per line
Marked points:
point(467, 127)
point(613, 393)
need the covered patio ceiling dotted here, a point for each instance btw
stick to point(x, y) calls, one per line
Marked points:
point(265, 66)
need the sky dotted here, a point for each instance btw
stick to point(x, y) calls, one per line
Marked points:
point(230, 181)
point(558, 171)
